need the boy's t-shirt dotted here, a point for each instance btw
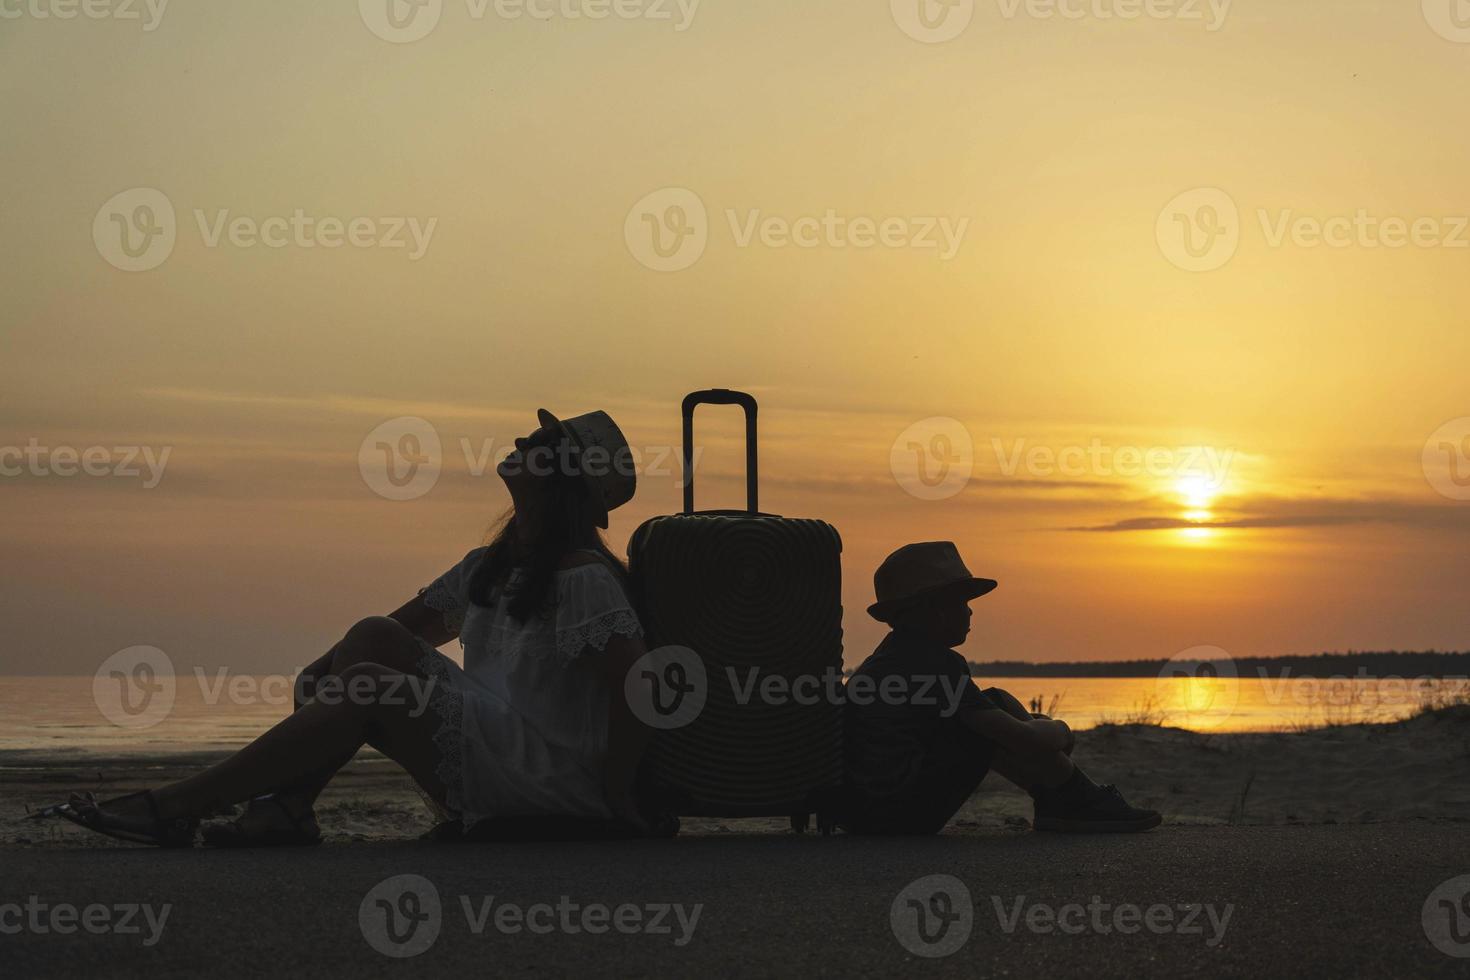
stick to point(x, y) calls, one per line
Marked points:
point(890, 730)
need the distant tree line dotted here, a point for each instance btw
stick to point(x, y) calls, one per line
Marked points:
point(1393, 663)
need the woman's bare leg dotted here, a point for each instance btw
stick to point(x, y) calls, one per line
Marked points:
point(378, 640)
point(321, 734)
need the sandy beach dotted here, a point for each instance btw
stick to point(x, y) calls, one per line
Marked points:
point(1353, 774)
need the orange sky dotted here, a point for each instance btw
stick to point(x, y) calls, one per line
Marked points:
point(1063, 327)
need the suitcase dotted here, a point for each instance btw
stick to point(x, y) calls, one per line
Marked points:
point(746, 591)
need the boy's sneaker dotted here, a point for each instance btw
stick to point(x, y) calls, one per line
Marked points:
point(1100, 811)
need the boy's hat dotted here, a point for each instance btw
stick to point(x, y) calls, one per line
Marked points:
point(923, 571)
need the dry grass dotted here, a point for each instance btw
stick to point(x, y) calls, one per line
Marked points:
point(1237, 811)
point(1149, 711)
point(1348, 705)
point(1443, 695)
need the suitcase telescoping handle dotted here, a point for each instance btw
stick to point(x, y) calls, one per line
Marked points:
point(721, 396)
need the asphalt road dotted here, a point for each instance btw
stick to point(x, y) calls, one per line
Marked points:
point(1324, 901)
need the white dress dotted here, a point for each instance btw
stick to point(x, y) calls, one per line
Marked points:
point(523, 725)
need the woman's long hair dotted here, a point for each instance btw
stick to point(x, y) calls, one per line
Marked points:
point(566, 525)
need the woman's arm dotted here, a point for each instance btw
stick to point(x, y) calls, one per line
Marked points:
point(425, 623)
point(627, 736)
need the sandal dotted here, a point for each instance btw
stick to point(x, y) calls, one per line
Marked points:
point(302, 832)
point(84, 811)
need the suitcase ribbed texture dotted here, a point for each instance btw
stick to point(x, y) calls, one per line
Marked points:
point(746, 592)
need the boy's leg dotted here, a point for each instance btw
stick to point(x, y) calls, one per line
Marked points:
point(1034, 773)
point(954, 770)
point(950, 775)
point(1065, 798)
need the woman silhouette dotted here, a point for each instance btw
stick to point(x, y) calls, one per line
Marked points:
point(534, 724)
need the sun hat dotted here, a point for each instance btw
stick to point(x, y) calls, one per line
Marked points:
point(604, 460)
point(921, 571)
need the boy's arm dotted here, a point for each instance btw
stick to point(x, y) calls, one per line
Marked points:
point(1010, 732)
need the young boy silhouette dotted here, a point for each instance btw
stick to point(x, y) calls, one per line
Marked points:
point(920, 736)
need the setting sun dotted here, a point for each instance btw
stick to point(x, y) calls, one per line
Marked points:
point(1197, 491)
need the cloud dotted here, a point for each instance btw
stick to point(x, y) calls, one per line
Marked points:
point(331, 404)
point(1174, 523)
point(1277, 512)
